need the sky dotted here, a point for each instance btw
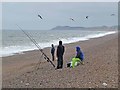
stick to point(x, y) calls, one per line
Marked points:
point(25, 14)
point(60, 0)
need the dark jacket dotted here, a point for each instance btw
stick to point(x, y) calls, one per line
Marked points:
point(60, 50)
point(52, 50)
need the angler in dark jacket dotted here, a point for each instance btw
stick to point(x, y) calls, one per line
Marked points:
point(60, 52)
point(52, 51)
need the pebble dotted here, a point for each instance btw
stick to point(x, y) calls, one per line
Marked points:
point(104, 84)
point(112, 80)
point(28, 72)
point(96, 85)
point(21, 81)
point(89, 82)
point(27, 84)
point(40, 83)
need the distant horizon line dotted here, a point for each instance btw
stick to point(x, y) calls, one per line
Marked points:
point(69, 26)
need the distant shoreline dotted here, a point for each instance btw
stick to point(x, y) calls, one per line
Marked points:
point(76, 40)
point(115, 27)
point(83, 39)
point(108, 28)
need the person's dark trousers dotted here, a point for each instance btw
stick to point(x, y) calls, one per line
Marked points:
point(60, 62)
point(53, 57)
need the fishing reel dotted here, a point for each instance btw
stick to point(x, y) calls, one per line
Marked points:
point(46, 58)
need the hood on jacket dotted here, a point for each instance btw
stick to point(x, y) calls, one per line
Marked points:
point(77, 48)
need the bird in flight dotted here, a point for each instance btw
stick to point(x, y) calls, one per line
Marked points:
point(72, 19)
point(86, 17)
point(40, 16)
point(112, 14)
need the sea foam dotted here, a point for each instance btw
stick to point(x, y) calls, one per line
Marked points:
point(12, 50)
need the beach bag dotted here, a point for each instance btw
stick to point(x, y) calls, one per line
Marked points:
point(69, 64)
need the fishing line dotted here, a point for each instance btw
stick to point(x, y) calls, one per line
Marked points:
point(36, 44)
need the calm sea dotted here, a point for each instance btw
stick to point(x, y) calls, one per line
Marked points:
point(15, 41)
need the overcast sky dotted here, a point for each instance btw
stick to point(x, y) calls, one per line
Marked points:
point(25, 14)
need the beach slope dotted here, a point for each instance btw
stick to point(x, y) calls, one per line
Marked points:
point(99, 71)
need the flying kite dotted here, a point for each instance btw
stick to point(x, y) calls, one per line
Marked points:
point(40, 16)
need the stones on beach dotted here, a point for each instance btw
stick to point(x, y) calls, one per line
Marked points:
point(89, 88)
point(28, 72)
point(104, 84)
point(21, 81)
point(108, 63)
point(40, 83)
point(112, 80)
point(89, 82)
point(97, 86)
point(27, 84)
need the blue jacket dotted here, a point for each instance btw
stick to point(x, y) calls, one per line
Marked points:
point(79, 54)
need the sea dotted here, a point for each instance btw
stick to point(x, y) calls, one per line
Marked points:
point(16, 42)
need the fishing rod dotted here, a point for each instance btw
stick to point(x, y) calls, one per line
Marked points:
point(36, 44)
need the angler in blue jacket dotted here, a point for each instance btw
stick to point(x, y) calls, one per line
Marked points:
point(78, 58)
point(80, 54)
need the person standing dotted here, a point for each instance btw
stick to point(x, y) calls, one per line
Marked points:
point(60, 53)
point(52, 51)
